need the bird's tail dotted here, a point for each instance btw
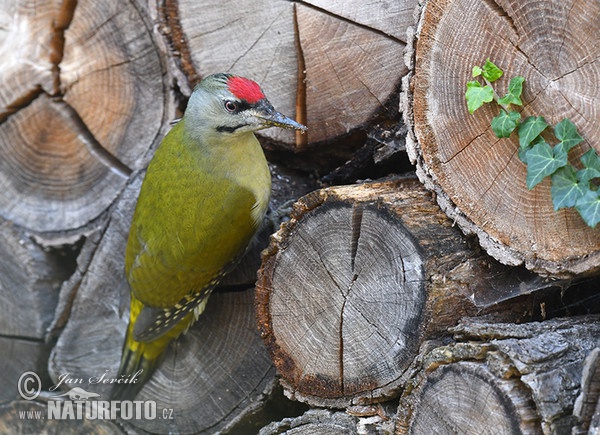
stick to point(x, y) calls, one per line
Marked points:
point(138, 362)
point(140, 358)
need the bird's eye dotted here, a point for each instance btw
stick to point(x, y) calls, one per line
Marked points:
point(230, 106)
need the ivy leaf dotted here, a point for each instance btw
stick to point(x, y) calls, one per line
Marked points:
point(566, 189)
point(515, 88)
point(530, 129)
point(505, 123)
point(566, 132)
point(591, 160)
point(588, 207)
point(476, 71)
point(591, 166)
point(542, 161)
point(477, 95)
point(491, 72)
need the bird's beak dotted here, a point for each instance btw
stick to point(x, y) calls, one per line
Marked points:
point(269, 117)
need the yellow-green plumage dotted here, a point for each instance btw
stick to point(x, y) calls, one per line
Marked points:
point(203, 197)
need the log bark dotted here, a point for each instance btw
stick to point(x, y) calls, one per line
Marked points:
point(322, 422)
point(302, 54)
point(529, 374)
point(587, 404)
point(478, 179)
point(354, 282)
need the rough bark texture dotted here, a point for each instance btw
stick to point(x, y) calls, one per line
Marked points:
point(324, 422)
point(354, 282)
point(530, 376)
point(478, 178)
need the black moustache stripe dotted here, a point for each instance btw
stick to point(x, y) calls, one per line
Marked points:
point(227, 129)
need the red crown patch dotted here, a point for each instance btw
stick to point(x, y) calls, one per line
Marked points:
point(245, 89)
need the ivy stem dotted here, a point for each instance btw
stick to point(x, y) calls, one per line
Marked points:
point(496, 97)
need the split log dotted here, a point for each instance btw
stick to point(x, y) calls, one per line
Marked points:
point(20, 356)
point(478, 179)
point(304, 55)
point(358, 278)
point(529, 375)
point(75, 68)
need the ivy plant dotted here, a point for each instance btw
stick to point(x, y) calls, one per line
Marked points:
point(571, 186)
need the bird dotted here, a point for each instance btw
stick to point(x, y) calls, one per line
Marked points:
point(204, 195)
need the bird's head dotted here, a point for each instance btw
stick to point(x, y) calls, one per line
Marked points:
point(230, 105)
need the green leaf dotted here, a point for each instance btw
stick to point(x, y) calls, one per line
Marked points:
point(541, 162)
point(566, 132)
point(477, 95)
point(530, 129)
point(566, 189)
point(591, 160)
point(491, 72)
point(505, 123)
point(523, 150)
point(515, 88)
point(477, 71)
point(588, 207)
point(591, 166)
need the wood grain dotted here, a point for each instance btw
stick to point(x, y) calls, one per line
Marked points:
point(83, 102)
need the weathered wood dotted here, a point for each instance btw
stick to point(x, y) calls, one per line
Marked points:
point(74, 69)
point(478, 178)
point(352, 284)
point(587, 404)
point(31, 276)
point(303, 55)
point(20, 356)
point(324, 422)
point(529, 375)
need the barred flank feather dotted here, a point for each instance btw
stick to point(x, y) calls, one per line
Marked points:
point(140, 357)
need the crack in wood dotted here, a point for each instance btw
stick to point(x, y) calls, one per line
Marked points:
point(357, 216)
point(21, 102)
point(349, 21)
point(57, 44)
point(493, 5)
point(91, 143)
point(301, 137)
point(262, 34)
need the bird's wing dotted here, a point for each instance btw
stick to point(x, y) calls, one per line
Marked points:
point(173, 263)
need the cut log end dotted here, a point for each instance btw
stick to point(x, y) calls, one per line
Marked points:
point(349, 286)
point(456, 397)
point(333, 294)
point(479, 178)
